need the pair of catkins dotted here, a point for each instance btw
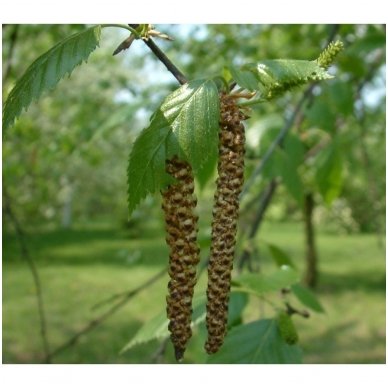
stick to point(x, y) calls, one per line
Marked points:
point(179, 203)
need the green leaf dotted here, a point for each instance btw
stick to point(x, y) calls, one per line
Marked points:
point(342, 97)
point(290, 176)
point(186, 125)
point(260, 283)
point(257, 342)
point(279, 75)
point(280, 257)
point(47, 70)
point(294, 149)
point(157, 328)
point(322, 114)
point(329, 173)
point(244, 78)
point(306, 297)
point(237, 303)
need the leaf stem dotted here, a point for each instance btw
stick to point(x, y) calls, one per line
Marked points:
point(125, 26)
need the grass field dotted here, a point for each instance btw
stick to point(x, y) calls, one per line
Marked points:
point(80, 267)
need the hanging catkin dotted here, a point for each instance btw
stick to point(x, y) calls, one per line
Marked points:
point(178, 204)
point(224, 226)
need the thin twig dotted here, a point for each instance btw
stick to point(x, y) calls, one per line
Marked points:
point(278, 140)
point(164, 59)
point(125, 298)
point(130, 293)
point(265, 200)
point(35, 275)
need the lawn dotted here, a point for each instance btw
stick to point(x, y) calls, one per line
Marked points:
point(85, 265)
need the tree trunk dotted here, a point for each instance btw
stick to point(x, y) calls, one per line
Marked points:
point(311, 275)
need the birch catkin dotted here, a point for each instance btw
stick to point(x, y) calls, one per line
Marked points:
point(181, 224)
point(225, 215)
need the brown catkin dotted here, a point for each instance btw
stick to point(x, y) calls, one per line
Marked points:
point(181, 224)
point(224, 226)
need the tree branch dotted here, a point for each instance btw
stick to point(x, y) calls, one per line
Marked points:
point(164, 59)
point(35, 275)
point(279, 139)
point(124, 297)
point(265, 199)
point(130, 293)
point(270, 190)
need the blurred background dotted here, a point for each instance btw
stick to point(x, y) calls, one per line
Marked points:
point(64, 193)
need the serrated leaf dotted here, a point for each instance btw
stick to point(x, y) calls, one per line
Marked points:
point(280, 257)
point(279, 75)
point(47, 71)
point(157, 327)
point(257, 342)
point(306, 297)
point(260, 283)
point(244, 78)
point(186, 125)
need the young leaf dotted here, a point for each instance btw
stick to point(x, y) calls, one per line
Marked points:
point(47, 70)
point(279, 75)
point(306, 297)
point(186, 125)
point(257, 342)
point(244, 78)
point(262, 283)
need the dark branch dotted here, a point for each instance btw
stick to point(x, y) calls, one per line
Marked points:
point(164, 59)
point(265, 199)
point(279, 139)
point(35, 275)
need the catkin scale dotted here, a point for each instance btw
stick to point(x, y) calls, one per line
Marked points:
point(224, 226)
point(181, 225)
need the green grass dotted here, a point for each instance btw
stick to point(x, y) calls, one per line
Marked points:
point(81, 267)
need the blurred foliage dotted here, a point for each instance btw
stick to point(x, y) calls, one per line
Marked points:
point(66, 158)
